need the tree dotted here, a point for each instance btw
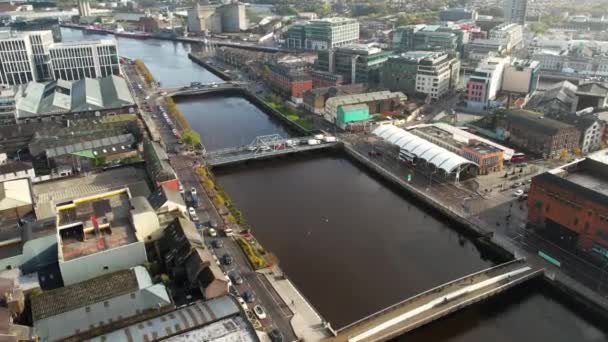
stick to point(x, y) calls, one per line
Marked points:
point(191, 137)
point(323, 10)
point(564, 154)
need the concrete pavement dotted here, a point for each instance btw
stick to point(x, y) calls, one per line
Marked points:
point(307, 324)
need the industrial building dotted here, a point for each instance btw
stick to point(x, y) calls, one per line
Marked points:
point(380, 102)
point(414, 149)
point(314, 99)
point(69, 100)
point(427, 38)
point(96, 235)
point(426, 73)
point(212, 320)
point(540, 135)
point(98, 305)
point(356, 63)
point(322, 34)
point(226, 18)
point(569, 205)
point(488, 155)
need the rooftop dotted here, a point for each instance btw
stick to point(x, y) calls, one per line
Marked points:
point(593, 89)
point(536, 121)
point(368, 49)
point(13, 167)
point(60, 96)
point(365, 97)
point(449, 138)
point(420, 56)
point(15, 193)
point(333, 20)
point(94, 224)
point(83, 43)
point(64, 299)
point(586, 177)
point(195, 320)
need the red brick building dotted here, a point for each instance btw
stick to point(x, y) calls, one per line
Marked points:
point(323, 79)
point(569, 206)
point(288, 81)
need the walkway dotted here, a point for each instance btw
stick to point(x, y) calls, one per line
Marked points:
point(437, 302)
point(307, 324)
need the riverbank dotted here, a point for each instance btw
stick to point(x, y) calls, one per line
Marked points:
point(487, 239)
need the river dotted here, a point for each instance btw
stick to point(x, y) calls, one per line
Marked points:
point(349, 242)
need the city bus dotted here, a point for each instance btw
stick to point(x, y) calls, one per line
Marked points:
point(518, 158)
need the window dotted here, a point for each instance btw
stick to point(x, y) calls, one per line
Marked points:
point(105, 268)
point(87, 309)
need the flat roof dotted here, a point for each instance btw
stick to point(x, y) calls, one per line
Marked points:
point(79, 236)
point(64, 299)
point(449, 138)
point(15, 193)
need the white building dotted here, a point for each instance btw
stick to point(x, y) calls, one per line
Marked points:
point(437, 75)
point(485, 83)
point(84, 8)
point(521, 76)
point(323, 34)
point(16, 170)
point(24, 56)
point(77, 60)
point(509, 34)
point(515, 11)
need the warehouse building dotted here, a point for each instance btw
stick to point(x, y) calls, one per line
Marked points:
point(379, 102)
point(569, 205)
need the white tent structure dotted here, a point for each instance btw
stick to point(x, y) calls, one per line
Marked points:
point(437, 156)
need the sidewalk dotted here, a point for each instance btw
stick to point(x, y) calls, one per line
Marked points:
point(306, 323)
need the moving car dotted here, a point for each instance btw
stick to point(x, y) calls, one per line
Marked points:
point(217, 243)
point(193, 191)
point(518, 192)
point(249, 296)
point(212, 232)
point(192, 213)
point(227, 259)
point(236, 278)
point(259, 312)
point(275, 335)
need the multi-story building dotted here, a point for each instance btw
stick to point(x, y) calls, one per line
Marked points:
point(84, 8)
point(323, 79)
point(456, 14)
point(484, 84)
point(95, 236)
point(521, 76)
point(427, 38)
point(314, 99)
point(288, 81)
point(569, 205)
point(433, 74)
point(357, 63)
point(77, 60)
point(7, 106)
point(227, 18)
point(487, 155)
point(538, 134)
point(323, 34)
point(24, 56)
point(509, 34)
point(591, 128)
point(39, 24)
point(515, 11)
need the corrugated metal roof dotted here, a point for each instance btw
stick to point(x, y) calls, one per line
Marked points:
point(123, 139)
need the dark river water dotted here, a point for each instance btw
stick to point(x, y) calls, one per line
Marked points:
point(351, 244)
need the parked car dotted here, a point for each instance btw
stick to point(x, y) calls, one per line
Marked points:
point(212, 232)
point(217, 243)
point(249, 296)
point(259, 312)
point(227, 259)
point(236, 278)
point(518, 192)
point(192, 212)
point(193, 191)
point(275, 335)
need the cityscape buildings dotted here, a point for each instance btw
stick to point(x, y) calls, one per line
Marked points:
point(356, 63)
point(323, 34)
point(515, 11)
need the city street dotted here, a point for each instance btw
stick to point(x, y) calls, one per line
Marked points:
point(277, 311)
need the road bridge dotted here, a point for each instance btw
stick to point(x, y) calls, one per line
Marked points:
point(204, 88)
point(268, 146)
point(435, 303)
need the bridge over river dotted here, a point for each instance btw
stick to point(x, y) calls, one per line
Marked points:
point(435, 303)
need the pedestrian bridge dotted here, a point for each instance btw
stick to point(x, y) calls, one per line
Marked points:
point(436, 303)
point(203, 88)
point(268, 146)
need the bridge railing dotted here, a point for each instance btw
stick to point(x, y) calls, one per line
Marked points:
point(426, 293)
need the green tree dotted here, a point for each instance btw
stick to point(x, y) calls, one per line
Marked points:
point(323, 10)
point(191, 137)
